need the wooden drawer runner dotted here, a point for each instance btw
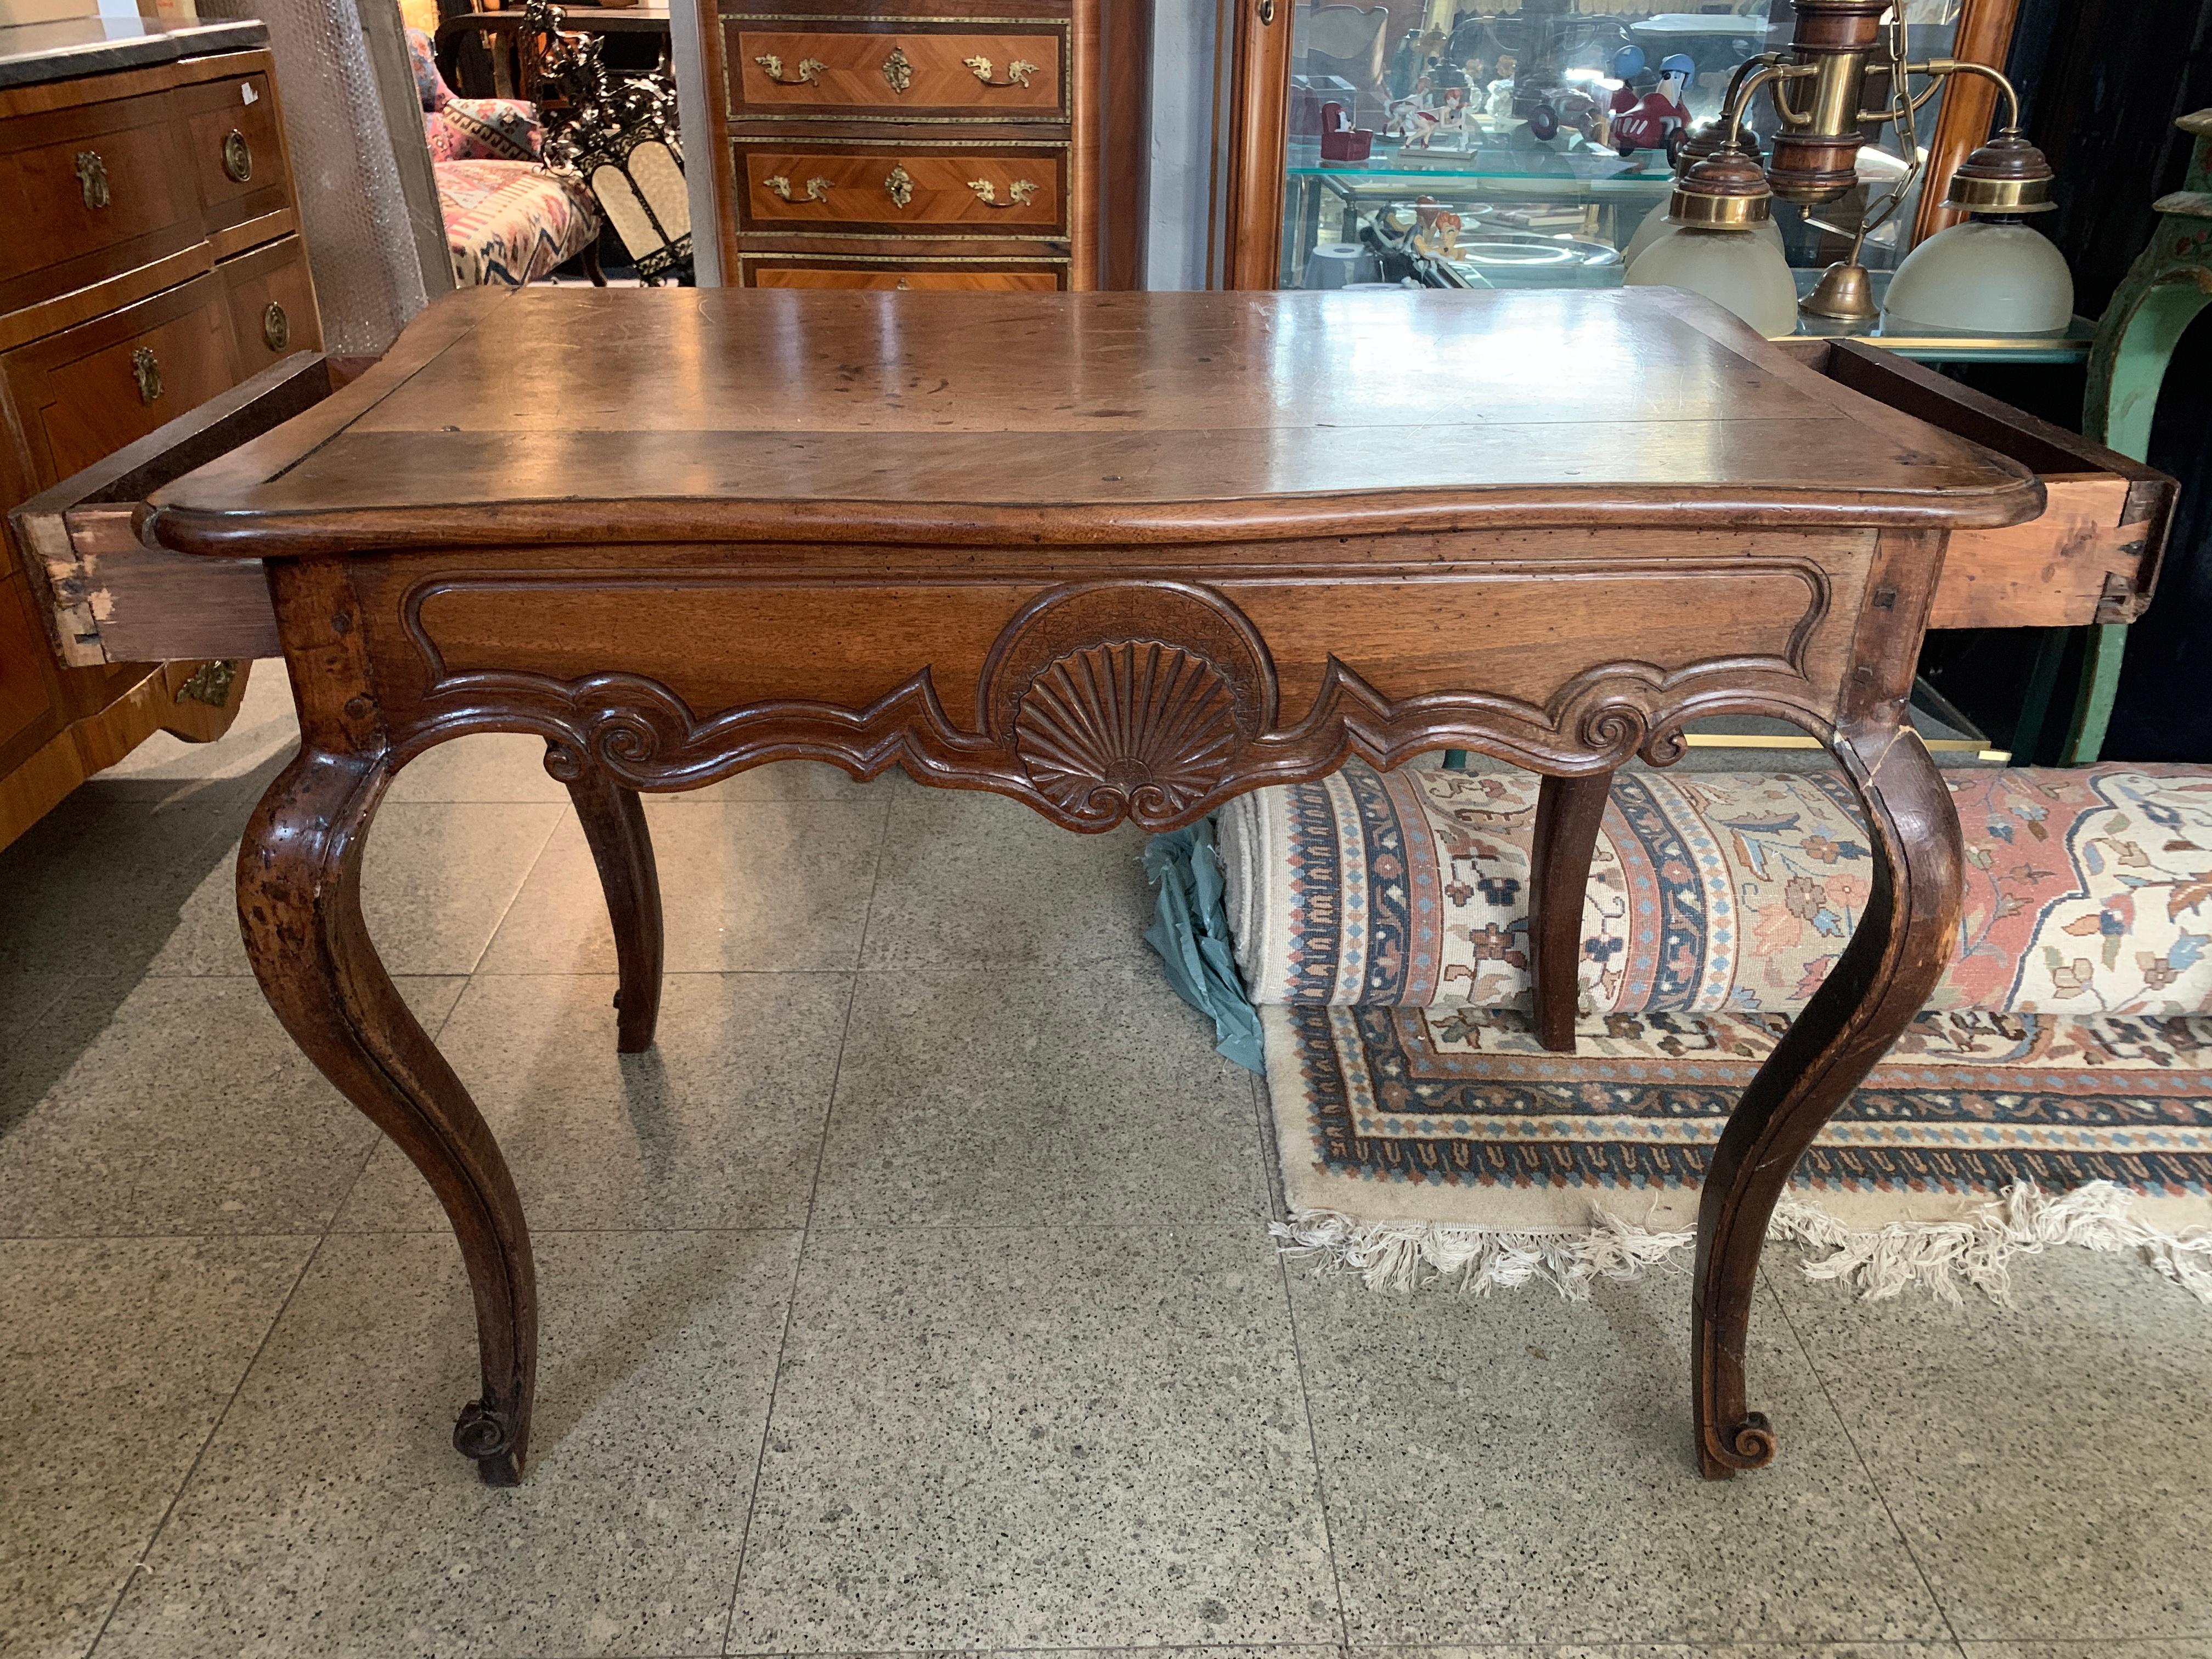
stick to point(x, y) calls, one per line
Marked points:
point(89, 192)
point(237, 148)
point(2093, 555)
point(1009, 192)
point(89, 390)
point(893, 73)
point(273, 304)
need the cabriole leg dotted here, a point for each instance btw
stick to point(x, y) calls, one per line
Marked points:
point(299, 905)
point(1568, 813)
point(622, 846)
point(1884, 977)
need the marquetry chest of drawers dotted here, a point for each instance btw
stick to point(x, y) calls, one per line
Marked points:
point(151, 260)
point(986, 145)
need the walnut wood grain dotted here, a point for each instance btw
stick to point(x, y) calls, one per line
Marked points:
point(615, 828)
point(1569, 813)
point(1111, 555)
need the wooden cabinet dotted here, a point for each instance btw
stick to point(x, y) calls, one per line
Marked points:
point(991, 145)
point(152, 261)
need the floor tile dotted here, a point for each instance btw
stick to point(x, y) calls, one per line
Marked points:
point(718, 1124)
point(2047, 1462)
point(2198, 1647)
point(1056, 1436)
point(765, 885)
point(100, 883)
point(262, 737)
point(178, 1106)
point(435, 880)
point(484, 765)
point(793, 780)
point(1035, 1097)
point(1518, 1469)
point(1670, 1650)
point(970, 879)
point(331, 1516)
point(117, 1356)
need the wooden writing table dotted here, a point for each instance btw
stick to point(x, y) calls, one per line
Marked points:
point(1114, 556)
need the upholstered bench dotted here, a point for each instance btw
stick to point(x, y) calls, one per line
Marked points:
point(2087, 890)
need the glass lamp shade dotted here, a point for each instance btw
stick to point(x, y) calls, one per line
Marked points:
point(1985, 277)
point(1740, 269)
point(1655, 226)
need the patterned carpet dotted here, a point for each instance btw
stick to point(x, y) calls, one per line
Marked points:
point(1414, 1140)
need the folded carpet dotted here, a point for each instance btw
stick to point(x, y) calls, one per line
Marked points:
point(2059, 1090)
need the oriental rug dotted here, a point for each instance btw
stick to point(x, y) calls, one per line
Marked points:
point(1425, 1143)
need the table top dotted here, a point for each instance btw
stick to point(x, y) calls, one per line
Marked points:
point(570, 414)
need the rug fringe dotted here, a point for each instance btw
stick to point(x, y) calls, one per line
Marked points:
point(1879, 1262)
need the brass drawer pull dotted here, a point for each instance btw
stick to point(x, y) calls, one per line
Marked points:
point(898, 185)
point(92, 179)
point(818, 189)
point(1018, 72)
point(1017, 194)
point(898, 71)
point(237, 156)
point(809, 69)
point(276, 327)
point(146, 369)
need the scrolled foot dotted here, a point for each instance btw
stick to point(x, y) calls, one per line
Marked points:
point(1748, 1445)
point(487, 1434)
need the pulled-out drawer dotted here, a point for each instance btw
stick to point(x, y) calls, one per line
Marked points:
point(2091, 557)
point(109, 597)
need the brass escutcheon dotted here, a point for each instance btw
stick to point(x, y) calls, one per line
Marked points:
point(898, 185)
point(898, 71)
point(146, 369)
point(211, 683)
point(237, 156)
point(276, 327)
point(92, 178)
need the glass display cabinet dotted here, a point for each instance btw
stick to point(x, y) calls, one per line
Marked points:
point(1515, 143)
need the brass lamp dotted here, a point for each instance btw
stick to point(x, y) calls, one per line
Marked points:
point(1840, 52)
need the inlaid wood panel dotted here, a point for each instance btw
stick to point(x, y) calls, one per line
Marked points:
point(236, 148)
point(917, 280)
point(273, 304)
point(987, 193)
point(89, 192)
point(886, 70)
point(87, 391)
point(23, 699)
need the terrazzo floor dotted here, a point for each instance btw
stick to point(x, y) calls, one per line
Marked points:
point(913, 1295)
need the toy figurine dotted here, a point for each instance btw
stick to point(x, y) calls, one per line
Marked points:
point(1500, 100)
point(1659, 119)
point(1339, 140)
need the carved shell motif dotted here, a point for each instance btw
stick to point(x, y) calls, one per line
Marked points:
point(1133, 724)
